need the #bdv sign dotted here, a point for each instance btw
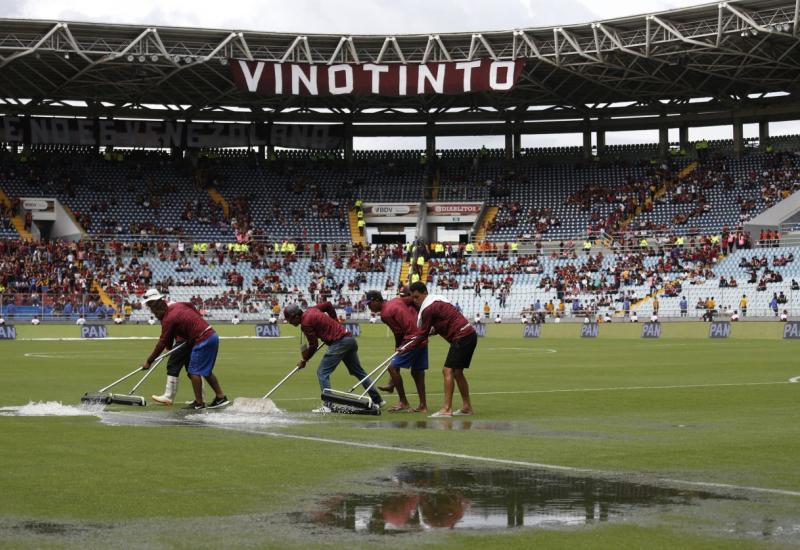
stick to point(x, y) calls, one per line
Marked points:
point(719, 329)
point(651, 330)
point(532, 331)
point(268, 331)
point(590, 330)
point(8, 332)
point(480, 329)
point(353, 328)
point(94, 331)
point(791, 330)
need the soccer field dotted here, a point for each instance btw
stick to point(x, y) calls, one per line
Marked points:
point(680, 442)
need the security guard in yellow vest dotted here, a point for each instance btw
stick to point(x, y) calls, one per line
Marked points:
point(643, 243)
point(470, 248)
point(361, 225)
point(514, 247)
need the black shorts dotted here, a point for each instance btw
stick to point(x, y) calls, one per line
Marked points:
point(461, 350)
point(179, 359)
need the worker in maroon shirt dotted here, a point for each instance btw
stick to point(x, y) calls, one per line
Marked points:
point(320, 323)
point(445, 320)
point(400, 316)
point(182, 320)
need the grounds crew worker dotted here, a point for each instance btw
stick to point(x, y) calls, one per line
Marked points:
point(320, 322)
point(437, 313)
point(400, 316)
point(182, 320)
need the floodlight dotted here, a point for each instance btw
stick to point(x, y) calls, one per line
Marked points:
point(154, 58)
point(130, 58)
point(142, 59)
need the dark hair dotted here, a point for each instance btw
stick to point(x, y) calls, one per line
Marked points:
point(374, 296)
point(419, 286)
point(292, 310)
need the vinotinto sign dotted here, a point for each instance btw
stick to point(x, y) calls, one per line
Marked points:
point(390, 79)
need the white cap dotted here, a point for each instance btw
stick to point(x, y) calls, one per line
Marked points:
point(151, 296)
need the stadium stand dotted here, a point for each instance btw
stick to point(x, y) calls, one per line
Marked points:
point(298, 197)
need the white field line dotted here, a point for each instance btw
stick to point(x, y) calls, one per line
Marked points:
point(504, 461)
point(794, 380)
point(613, 388)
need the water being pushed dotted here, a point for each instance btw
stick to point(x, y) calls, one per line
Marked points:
point(51, 408)
point(253, 405)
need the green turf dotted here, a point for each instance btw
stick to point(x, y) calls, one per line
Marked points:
point(680, 408)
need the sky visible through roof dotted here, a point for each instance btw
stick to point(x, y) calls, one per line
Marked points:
point(382, 17)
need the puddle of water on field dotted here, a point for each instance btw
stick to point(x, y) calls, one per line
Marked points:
point(421, 498)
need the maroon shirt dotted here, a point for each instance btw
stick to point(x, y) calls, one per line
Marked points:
point(182, 321)
point(320, 322)
point(400, 316)
point(446, 321)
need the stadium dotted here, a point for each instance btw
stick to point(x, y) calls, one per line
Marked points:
point(632, 307)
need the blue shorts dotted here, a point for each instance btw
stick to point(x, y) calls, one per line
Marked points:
point(416, 359)
point(204, 355)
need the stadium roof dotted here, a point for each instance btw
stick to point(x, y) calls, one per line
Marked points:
point(742, 55)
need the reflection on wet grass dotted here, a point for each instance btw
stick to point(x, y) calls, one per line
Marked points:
point(421, 498)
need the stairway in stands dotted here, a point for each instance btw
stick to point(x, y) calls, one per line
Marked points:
point(16, 220)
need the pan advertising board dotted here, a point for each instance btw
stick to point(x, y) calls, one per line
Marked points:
point(590, 330)
point(719, 329)
point(534, 330)
point(94, 331)
point(651, 330)
point(264, 330)
point(791, 330)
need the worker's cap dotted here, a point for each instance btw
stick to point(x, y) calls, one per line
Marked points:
point(151, 296)
point(292, 310)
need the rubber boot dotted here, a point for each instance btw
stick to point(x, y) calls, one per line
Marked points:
point(169, 392)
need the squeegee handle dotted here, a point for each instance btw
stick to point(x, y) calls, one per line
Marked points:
point(279, 384)
point(375, 381)
point(291, 372)
point(384, 365)
point(373, 371)
point(154, 365)
point(101, 390)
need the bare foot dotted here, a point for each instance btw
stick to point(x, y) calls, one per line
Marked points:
point(421, 409)
point(400, 407)
point(387, 389)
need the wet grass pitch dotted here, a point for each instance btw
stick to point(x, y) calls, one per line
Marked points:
point(613, 442)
